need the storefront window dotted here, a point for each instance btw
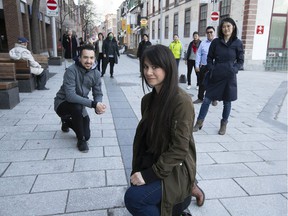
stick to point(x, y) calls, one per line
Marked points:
point(277, 32)
point(280, 6)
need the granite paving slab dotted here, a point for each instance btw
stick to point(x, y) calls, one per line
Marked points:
point(222, 171)
point(98, 163)
point(95, 198)
point(16, 185)
point(235, 157)
point(22, 155)
point(34, 204)
point(221, 188)
point(69, 181)
point(269, 167)
point(260, 185)
point(39, 167)
point(266, 205)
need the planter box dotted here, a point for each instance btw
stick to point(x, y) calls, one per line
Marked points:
point(55, 61)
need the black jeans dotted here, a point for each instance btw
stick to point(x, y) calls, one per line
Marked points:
point(202, 72)
point(105, 63)
point(190, 65)
point(100, 58)
point(41, 80)
point(71, 114)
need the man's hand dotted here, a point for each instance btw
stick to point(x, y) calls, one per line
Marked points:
point(185, 62)
point(137, 179)
point(100, 108)
point(197, 69)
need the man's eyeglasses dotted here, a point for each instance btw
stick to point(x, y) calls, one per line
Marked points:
point(209, 32)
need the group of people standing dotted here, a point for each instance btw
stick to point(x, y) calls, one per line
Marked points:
point(106, 50)
point(164, 153)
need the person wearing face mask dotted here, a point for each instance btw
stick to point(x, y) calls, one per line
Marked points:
point(72, 99)
point(110, 54)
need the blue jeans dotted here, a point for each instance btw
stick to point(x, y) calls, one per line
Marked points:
point(205, 106)
point(144, 200)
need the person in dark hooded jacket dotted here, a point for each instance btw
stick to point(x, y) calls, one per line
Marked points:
point(142, 46)
point(72, 99)
point(110, 54)
point(225, 58)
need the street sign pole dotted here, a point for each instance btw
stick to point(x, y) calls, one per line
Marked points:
point(53, 26)
point(52, 11)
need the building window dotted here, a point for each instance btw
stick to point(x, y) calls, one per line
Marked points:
point(176, 2)
point(159, 5)
point(153, 29)
point(225, 7)
point(278, 31)
point(187, 22)
point(159, 28)
point(166, 27)
point(175, 24)
point(203, 20)
point(153, 7)
point(167, 4)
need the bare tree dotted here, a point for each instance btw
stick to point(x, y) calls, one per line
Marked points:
point(87, 16)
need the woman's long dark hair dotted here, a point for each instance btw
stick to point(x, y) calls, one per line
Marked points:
point(161, 56)
point(230, 20)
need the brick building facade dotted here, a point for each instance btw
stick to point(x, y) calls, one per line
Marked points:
point(15, 21)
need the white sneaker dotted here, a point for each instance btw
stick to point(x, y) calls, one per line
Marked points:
point(197, 87)
point(188, 87)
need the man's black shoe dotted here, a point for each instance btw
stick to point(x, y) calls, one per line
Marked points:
point(65, 127)
point(82, 146)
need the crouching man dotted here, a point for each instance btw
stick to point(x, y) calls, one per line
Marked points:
point(72, 99)
point(20, 52)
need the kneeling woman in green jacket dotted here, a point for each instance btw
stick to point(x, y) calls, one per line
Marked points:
point(164, 154)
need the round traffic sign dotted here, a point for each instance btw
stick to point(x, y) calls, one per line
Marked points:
point(51, 4)
point(214, 16)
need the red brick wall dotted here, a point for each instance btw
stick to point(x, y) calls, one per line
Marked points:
point(13, 21)
point(249, 20)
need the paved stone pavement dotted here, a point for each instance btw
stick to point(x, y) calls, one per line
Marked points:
point(243, 173)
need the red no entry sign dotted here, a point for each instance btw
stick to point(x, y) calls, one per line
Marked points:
point(51, 4)
point(214, 16)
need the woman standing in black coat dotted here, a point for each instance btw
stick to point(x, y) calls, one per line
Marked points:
point(142, 46)
point(70, 45)
point(110, 53)
point(224, 59)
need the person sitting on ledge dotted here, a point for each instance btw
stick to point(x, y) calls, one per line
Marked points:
point(20, 52)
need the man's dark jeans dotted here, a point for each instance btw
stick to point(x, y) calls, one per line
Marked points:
point(71, 113)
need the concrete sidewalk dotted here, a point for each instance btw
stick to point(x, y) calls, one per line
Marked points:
point(242, 173)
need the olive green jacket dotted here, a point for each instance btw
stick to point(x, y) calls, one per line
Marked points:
point(176, 166)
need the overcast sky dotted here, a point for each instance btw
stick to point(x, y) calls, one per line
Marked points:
point(107, 6)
